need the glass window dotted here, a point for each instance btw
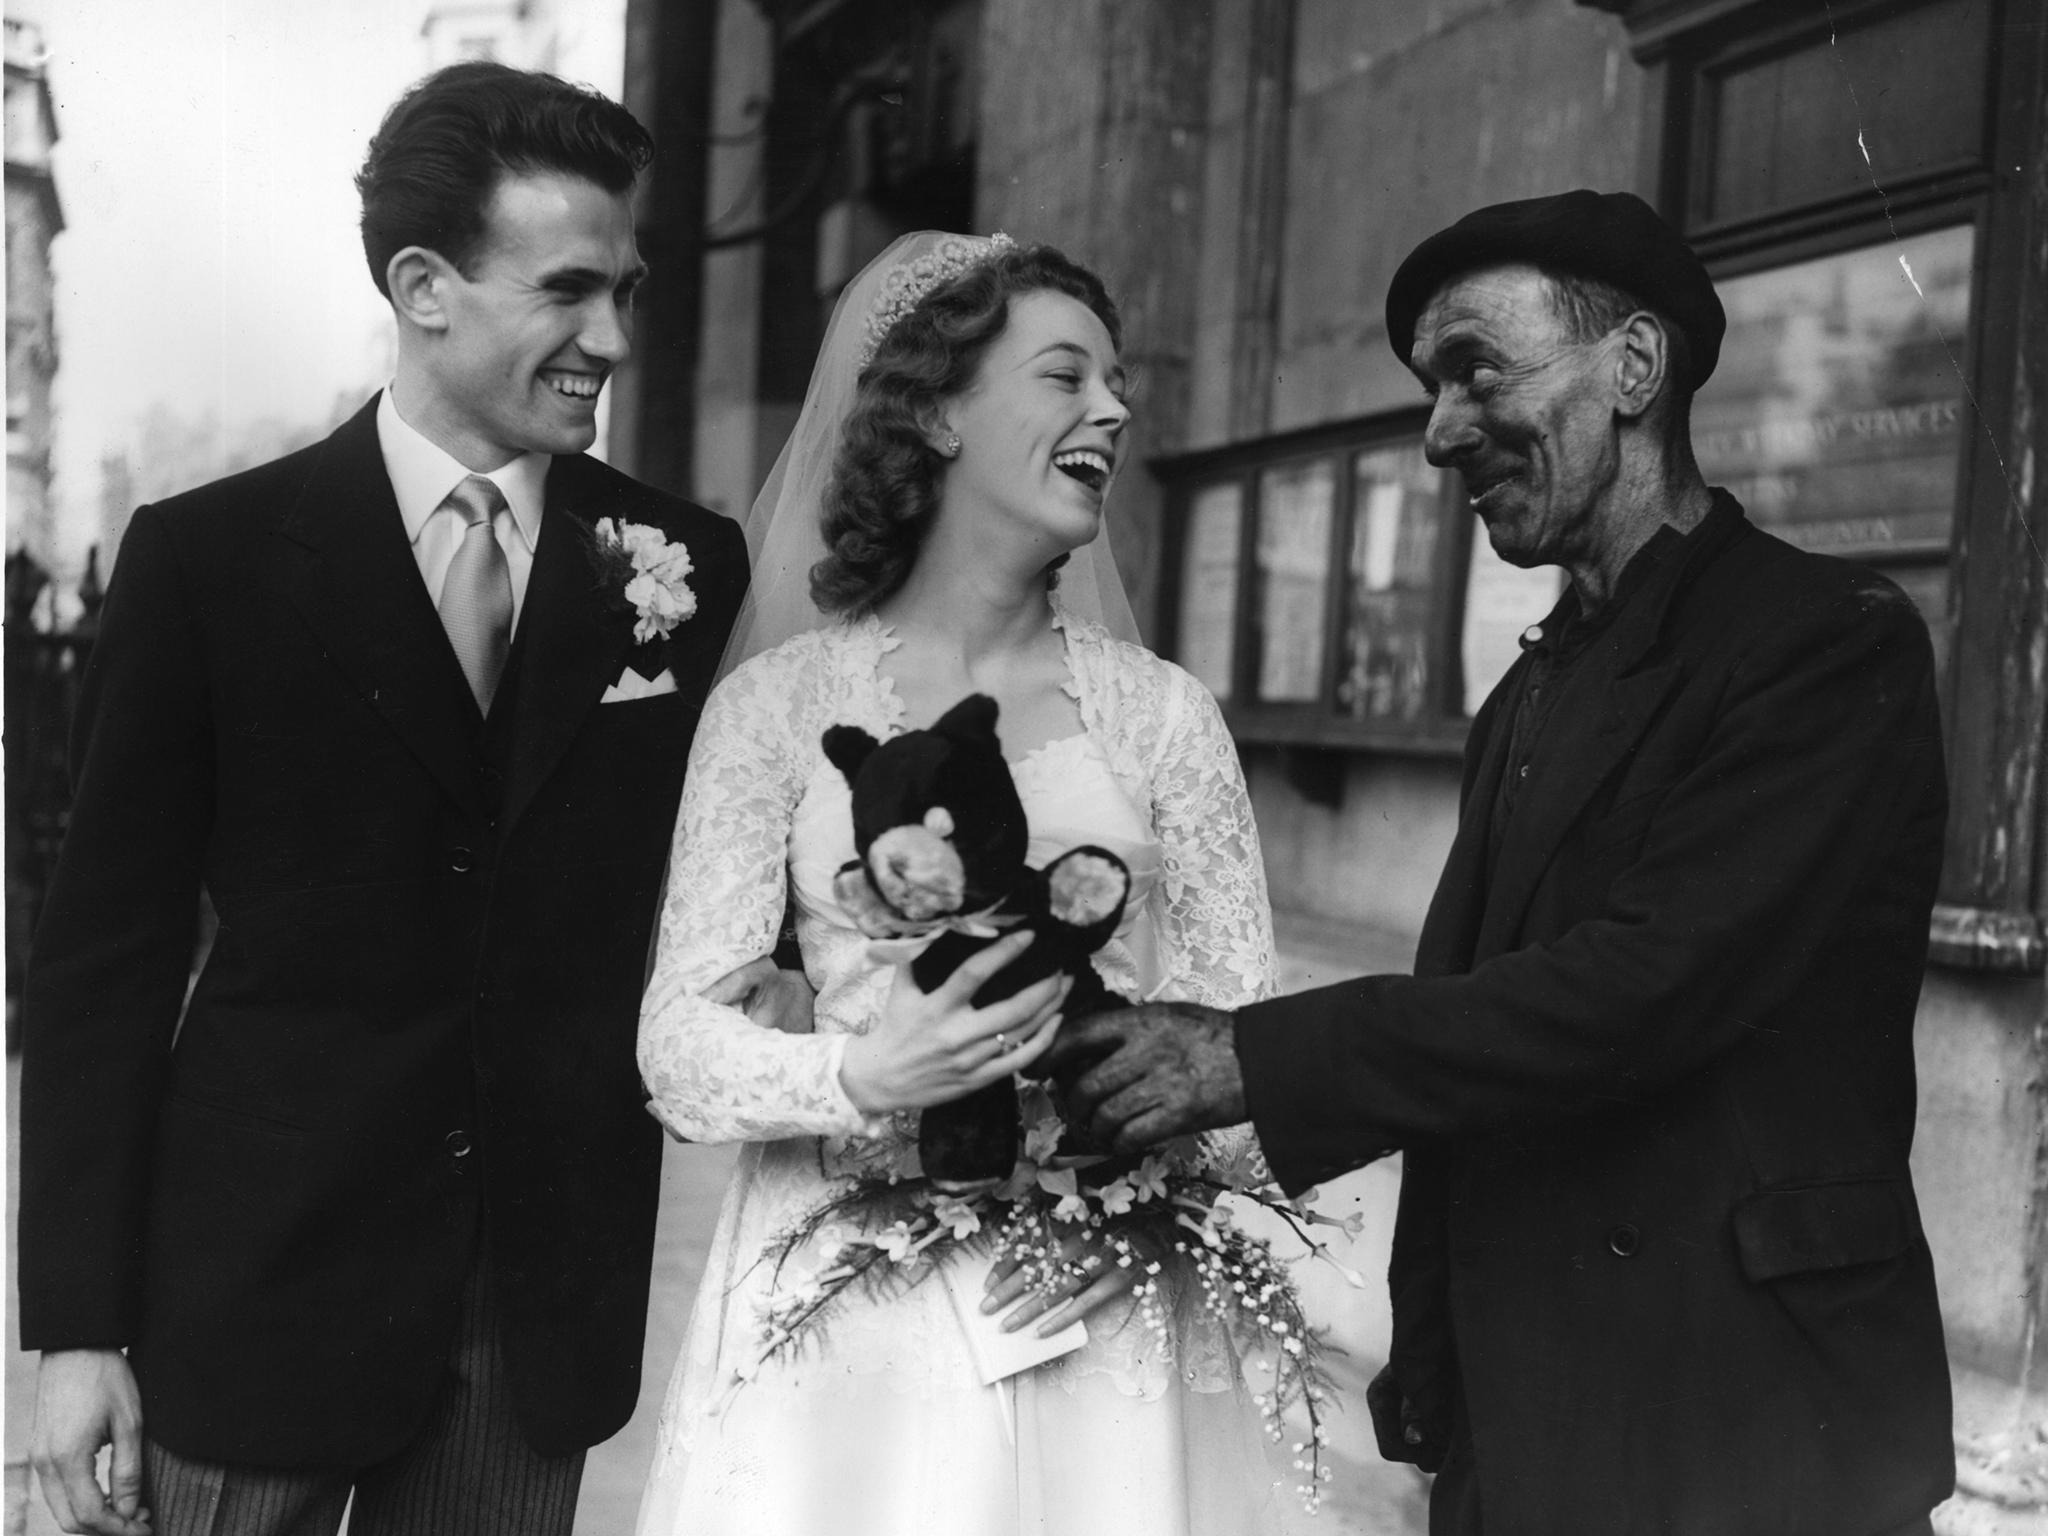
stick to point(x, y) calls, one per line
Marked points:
point(1208, 585)
point(1836, 413)
point(1389, 585)
point(1296, 506)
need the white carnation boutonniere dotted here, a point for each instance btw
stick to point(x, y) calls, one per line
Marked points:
point(640, 569)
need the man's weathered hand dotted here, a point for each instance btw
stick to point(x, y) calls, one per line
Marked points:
point(87, 1398)
point(1139, 1076)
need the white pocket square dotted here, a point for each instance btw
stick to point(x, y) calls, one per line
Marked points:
point(631, 685)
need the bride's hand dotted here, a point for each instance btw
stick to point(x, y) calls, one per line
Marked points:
point(767, 995)
point(933, 1047)
point(1100, 1281)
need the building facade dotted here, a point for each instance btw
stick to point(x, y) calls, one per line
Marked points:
point(35, 218)
point(1868, 182)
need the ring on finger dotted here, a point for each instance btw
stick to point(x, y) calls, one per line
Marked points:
point(1002, 1044)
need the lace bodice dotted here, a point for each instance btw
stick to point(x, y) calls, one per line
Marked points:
point(1153, 774)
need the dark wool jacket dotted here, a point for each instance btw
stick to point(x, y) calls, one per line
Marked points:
point(1653, 1078)
point(415, 1030)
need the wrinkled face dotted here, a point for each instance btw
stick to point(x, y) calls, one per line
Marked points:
point(541, 320)
point(1040, 426)
point(1520, 410)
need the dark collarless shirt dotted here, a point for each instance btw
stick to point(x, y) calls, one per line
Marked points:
point(1554, 649)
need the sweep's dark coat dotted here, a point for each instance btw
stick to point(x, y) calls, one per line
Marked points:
point(415, 1029)
point(1653, 1077)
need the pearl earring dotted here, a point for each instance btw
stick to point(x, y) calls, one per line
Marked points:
point(952, 448)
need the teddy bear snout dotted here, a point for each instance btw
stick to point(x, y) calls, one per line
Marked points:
point(918, 872)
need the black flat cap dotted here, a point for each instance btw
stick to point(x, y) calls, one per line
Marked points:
point(1615, 237)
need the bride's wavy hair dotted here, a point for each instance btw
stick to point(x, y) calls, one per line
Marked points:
point(884, 490)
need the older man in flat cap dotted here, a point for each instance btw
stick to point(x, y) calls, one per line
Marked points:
point(1658, 1265)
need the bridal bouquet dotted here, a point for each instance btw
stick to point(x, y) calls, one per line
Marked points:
point(880, 1235)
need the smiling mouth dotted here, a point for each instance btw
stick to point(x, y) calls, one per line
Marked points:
point(1483, 496)
point(1086, 465)
point(575, 386)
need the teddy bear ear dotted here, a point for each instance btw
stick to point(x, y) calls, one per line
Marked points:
point(1086, 889)
point(847, 747)
point(973, 717)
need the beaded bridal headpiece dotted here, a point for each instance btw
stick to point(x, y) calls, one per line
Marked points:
point(907, 284)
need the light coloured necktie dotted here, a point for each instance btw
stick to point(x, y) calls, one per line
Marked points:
point(476, 597)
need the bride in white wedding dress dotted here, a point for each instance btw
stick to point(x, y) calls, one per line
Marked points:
point(963, 424)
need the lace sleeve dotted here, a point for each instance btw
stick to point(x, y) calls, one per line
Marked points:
point(1217, 919)
point(715, 1076)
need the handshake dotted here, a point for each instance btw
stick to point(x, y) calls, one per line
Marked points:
point(1134, 1077)
point(1130, 1077)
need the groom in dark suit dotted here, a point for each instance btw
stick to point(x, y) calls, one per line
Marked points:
point(373, 1211)
point(1658, 1265)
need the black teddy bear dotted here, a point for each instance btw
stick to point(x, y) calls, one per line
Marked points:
point(941, 839)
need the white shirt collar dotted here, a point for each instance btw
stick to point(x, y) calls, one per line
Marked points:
point(423, 473)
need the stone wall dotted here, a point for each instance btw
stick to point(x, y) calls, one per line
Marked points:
point(1407, 115)
point(1093, 139)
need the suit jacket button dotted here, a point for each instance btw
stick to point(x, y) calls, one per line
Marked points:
point(461, 860)
point(1624, 1240)
point(457, 1143)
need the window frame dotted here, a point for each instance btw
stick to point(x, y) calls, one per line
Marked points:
point(1440, 730)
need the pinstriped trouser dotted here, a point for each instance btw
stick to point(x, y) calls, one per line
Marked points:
point(469, 1473)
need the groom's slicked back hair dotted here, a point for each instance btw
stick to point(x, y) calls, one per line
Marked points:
point(430, 172)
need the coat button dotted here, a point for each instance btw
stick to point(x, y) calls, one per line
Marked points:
point(1624, 1240)
point(461, 860)
point(457, 1143)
